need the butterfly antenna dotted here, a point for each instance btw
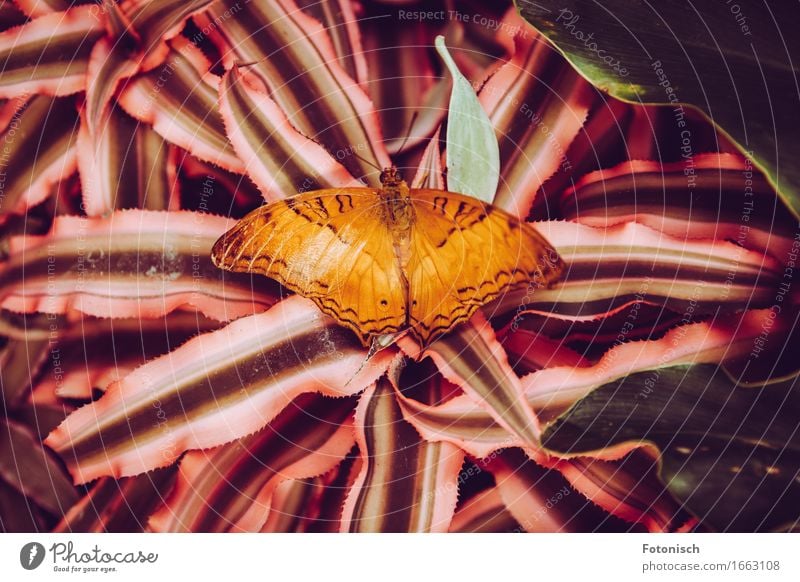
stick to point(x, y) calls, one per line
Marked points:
point(366, 161)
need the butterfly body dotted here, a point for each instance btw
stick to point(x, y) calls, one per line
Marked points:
point(385, 260)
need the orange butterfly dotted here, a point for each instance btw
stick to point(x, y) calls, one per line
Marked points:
point(382, 261)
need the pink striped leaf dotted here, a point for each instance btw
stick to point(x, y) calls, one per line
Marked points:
point(294, 504)
point(628, 489)
point(406, 484)
point(279, 159)
point(528, 351)
point(93, 353)
point(110, 63)
point(230, 488)
point(73, 326)
point(39, 151)
point(541, 499)
point(326, 516)
point(209, 188)
point(554, 389)
point(133, 263)
point(411, 99)
point(276, 40)
point(537, 105)
point(339, 19)
point(600, 143)
point(118, 505)
point(464, 422)
point(11, 15)
point(216, 388)
point(484, 513)
point(126, 164)
point(472, 358)
point(609, 269)
point(430, 171)
point(50, 54)
point(718, 196)
point(156, 21)
point(179, 99)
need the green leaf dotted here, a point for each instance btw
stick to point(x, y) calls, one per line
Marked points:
point(730, 454)
point(732, 60)
point(473, 156)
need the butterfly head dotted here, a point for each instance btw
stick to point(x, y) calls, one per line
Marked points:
point(390, 177)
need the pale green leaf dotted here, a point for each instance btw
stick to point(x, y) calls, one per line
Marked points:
point(473, 157)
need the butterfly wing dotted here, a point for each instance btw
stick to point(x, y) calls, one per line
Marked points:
point(465, 253)
point(330, 246)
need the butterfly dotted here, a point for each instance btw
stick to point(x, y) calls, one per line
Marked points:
point(393, 259)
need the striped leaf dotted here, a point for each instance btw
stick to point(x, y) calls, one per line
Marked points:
point(540, 499)
point(156, 21)
point(216, 388)
point(529, 351)
point(50, 54)
point(118, 505)
point(484, 513)
point(460, 421)
point(537, 104)
point(230, 488)
point(277, 41)
point(718, 196)
point(326, 516)
point(552, 390)
point(179, 99)
point(209, 188)
point(73, 327)
point(294, 504)
point(608, 269)
point(601, 143)
point(126, 164)
point(93, 354)
point(406, 484)
point(339, 19)
point(133, 263)
point(466, 423)
point(409, 95)
point(628, 489)
point(110, 63)
point(279, 159)
point(39, 150)
point(472, 358)
point(430, 172)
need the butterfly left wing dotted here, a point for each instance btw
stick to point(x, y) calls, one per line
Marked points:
point(465, 253)
point(329, 246)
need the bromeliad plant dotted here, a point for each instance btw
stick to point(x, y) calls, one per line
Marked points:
point(652, 388)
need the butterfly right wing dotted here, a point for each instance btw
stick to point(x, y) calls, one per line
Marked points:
point(329, 246)
point(465, 253)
